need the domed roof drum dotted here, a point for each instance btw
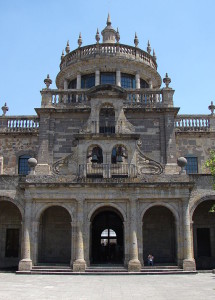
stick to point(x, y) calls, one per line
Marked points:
point(108, 56)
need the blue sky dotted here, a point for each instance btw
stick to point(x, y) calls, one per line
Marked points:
point(34, 33)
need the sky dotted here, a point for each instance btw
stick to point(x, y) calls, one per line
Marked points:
point(34, 33)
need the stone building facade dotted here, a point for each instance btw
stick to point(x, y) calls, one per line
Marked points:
point(104, 186)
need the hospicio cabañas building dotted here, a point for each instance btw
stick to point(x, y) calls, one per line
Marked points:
point(104, 186)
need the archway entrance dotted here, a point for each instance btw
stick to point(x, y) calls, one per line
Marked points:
point(204, 235)
point(159, 235)
point(55, 236)
point(107, 238)
point(10, 235)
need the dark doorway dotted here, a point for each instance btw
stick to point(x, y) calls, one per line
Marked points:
point(159, 235)
point(203, 235)
point(107, 238)
point(203, 242)
point(12, 243)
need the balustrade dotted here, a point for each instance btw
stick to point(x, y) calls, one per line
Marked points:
point(192, 123)
point(19, 124)
point(95, 170)
point(108, 49)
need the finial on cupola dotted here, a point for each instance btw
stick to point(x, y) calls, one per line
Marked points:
point(154, 55)
point(136, 41)
point(117, 35)
point(97, 36)
point(149, 48)
point(67, 49)
point(62, 55)
point(108, 20)
point(80, 40)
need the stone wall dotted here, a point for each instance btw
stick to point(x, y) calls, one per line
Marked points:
point(196, 144)
point(14, 145)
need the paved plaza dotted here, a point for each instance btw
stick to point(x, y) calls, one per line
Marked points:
point(84, 287)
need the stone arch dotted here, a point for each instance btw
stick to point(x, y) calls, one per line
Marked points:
point(108, 248)
point(167, 205)
point(15, 202)
point(55, 235)
point(102, 205)
point(40, 210)
point(10, 232)
point(203, 227)
point(198, 201)
point(160, 233)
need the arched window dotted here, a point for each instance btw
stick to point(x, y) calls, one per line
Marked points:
point(23, 168)
point(119, 155)
point(95, 155)
point(143, 84)
point(192, 164)
point(72, 84)
point(87, 81)
point(127, 81)
point(107, 120)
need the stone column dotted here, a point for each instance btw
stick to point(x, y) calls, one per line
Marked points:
point(26, 263)
point(134, 264)
point(79, 264)
point(137, 80)
point(188, 262)
point(97, 77)
point(78, 86)
point(65, 84)
point(118, 78)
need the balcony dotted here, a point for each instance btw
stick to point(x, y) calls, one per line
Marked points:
point(106, 172)
point(79, 98)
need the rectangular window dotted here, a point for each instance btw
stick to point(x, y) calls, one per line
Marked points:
point(12, 243)
point(23, 165)
point(108, 78)
point(203, 242)
point(192, 165)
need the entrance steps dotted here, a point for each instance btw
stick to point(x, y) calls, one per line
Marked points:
point(162, 270)
point(104, 270)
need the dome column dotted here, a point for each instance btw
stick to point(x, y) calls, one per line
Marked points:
point(137, 80)
point(97, 77)
point(118, 78)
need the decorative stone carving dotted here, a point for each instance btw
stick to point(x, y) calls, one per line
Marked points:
point(67, 165)
point(147, 166)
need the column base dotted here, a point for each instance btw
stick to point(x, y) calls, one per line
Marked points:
point(79, 265)
point(25, 265)
point(189, 265)
point(134, 265)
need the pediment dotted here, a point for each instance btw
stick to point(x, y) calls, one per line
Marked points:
point(107, 91)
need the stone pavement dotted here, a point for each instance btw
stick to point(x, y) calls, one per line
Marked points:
point(135, 287)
